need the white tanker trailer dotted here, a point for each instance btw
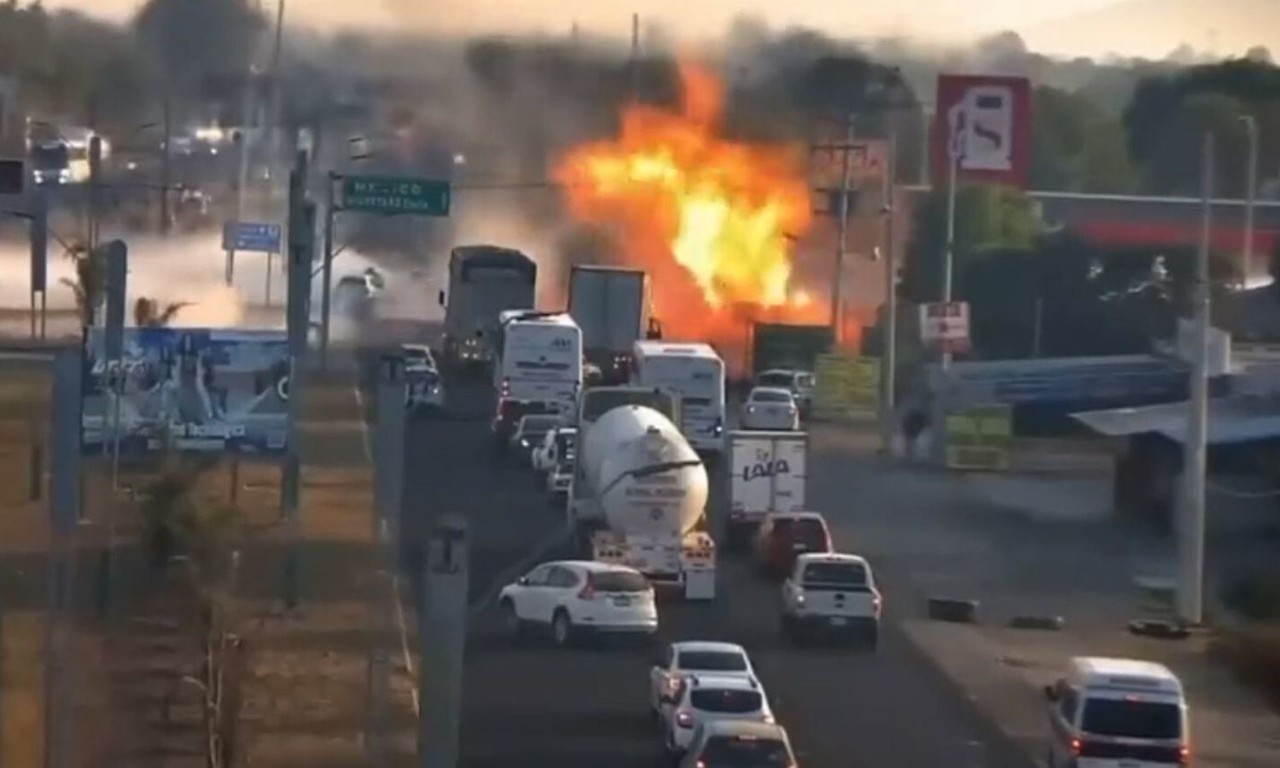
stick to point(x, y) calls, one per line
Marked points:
point(640, 492)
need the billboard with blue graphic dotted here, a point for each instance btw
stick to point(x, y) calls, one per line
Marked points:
point(191, 389)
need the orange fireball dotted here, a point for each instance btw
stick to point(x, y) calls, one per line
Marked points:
point(711, 219)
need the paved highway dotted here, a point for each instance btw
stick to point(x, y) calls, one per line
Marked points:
point(535, 706)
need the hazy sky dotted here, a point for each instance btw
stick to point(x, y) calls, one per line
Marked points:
point(945, 19)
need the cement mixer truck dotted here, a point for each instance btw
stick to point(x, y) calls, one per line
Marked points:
point(639, 496)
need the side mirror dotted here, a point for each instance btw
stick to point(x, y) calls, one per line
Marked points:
point(1050, 693)
point(523, 581)
point(440, 298)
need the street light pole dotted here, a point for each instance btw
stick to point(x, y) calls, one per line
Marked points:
point(1191, 532)
point(889, 344)
point(1251, 194)
point(948, 264)
point(846, 181)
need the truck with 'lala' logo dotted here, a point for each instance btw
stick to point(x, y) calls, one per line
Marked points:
point(767, 474)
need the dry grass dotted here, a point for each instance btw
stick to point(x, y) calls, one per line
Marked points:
point(306, 702)
point(24, 403)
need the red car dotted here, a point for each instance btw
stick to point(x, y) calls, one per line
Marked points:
point(783, 536)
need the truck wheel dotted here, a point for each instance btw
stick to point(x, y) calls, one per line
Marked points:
point(561, 629)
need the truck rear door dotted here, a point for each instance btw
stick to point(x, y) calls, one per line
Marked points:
point(768, 474)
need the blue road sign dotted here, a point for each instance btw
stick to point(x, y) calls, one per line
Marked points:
point(251, 236)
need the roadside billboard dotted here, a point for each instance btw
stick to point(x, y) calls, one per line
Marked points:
point(847, 387)
point(980, 439)
point(986, 119)
point(195, 389)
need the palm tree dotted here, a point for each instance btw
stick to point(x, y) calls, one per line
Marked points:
point(89, 282)
point(147, 313)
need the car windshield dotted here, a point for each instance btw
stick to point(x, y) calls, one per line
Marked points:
point(744, 752)
point(712, 661)
point(1131, 719)
point(851, 574)
point(765, 396)
point(729, 701)
point(774, 380)
point(619, 581)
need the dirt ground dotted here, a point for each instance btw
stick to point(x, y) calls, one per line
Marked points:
point(307, 699)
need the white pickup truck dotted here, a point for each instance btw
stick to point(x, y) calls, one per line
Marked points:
point(832, 594)
point(767, 475)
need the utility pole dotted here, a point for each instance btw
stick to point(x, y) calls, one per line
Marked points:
point(95, 181)
point(889, 343)
point(634, 63)
point(39, 237)
point(954, 152)
point(842, 230)
point(273, 119)
point(442, 642)
point(165, 158)
point(1196, 451)
point(302, 213)
point(1251, 194)
point(326, 281)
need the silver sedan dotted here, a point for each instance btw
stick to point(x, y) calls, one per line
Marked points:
point(770, 408)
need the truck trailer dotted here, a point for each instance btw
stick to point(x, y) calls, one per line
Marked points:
point(611, 306)
point(767, 474)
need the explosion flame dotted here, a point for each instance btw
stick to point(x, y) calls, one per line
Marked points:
point(712, 220)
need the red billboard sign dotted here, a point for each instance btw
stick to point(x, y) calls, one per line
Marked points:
point(984, 121)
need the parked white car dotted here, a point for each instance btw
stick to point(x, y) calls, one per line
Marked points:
point(770, 408)
point(707, 697)
point(574, 598)
point(678, 660)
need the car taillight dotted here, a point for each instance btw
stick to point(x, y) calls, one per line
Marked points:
point(673, 684)
point(1076, 747)
point(877, 601)
point(1184, 755)
point(506, 387)
point(684, 719)
point(588, 591)
point(699, 764)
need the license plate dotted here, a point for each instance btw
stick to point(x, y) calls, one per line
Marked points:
point(1129, 764)
point(622, 602)
point(799, 547)
point(840, 621)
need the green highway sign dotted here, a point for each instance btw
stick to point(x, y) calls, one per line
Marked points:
point(392, 194)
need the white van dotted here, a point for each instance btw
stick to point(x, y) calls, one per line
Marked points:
point(1117, 713)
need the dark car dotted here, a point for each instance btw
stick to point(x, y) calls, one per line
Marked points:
point(508, 418)
point(783, 536)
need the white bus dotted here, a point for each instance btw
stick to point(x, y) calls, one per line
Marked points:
point(694, 373)
point(539, 359)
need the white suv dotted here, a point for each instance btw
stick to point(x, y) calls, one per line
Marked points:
point(703, 698)
point(572, 598)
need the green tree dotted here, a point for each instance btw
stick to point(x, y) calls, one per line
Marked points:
point(986, 217)
point(191, 40)
point(1168, 115)
point(1076, 146)
point(89, 283)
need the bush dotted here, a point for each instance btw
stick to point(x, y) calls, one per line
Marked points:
point(177, 521)
point(1254, 655)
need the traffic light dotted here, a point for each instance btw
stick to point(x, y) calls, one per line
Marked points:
point(13, 176)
